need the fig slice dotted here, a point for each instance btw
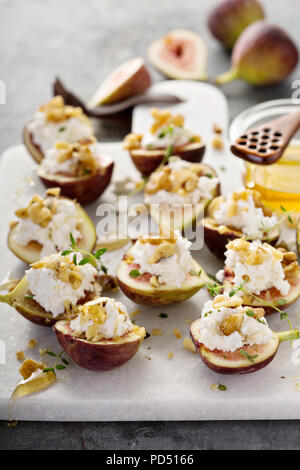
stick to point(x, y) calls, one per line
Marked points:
point(272, 296)
point(31, 252)
point(229, 18)
point(140, 291)
point(263, 55)
point(259, 356)
point(180, 54)
point(146, 161)
point(130, 79)
point(85, 189)
point(102, 355)
point(33, 149)
point(180, 217)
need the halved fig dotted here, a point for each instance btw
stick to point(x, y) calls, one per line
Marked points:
point(140, 291)
point(180, 54)
point(31, 252)
point(272, 296)
point(180, 217)
point(102, 355)
point(217, 236)
point(21, 300)
point(146, 161)
point(33, 149)
point(85, 189)
point(130, 79)
point(255, 357)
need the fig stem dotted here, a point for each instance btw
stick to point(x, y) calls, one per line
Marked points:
point(226, 77)
point(288, 335)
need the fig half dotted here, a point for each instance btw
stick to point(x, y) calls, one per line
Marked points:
point(180, 54)
point(255, 357)
point(272, 296)
point(130, 79)
point(85, 189)
point(263, 55)
point(102, 355)
point(31, 252)
point(146, 161)
point(140, 291)
point(230, 17)
point(180, 217)
point(33, 149)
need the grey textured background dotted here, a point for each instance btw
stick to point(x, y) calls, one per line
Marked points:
point(82, 41)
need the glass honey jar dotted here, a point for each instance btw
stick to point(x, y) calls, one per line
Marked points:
point(278, 183)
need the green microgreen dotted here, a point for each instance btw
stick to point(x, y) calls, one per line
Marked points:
point(134, 273)
point(248, 356)
point(222, 387)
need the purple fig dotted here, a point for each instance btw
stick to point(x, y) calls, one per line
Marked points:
point(230, 17)
point(263, 55)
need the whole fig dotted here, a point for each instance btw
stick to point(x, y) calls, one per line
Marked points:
point(230, 17)
point(263, 55)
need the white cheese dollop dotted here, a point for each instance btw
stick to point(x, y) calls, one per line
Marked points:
point(162, 138)
point(171, 271)
point(261, 276)
point(249, 219)
point(56, 235)
point(46, 133)
point(51, 293)
point(117, 321)
point(251, 332)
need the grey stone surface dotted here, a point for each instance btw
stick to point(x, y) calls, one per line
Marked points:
point(81, 42)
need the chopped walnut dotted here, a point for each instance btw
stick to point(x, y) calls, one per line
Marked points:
point(20, 355)
point(231, 324)
point(189, 345)
point(177, 333)
point(154, 281)
point(170, 355)
point(164, 250)
point(32, 343)
point(83, 161)
point(65, 269)
point(55, 192)
point(156, 332)
point(29, 366)
point(227, 302)
point(40, 211)
point(217, 129)
point(132, 141)
point(164, 118)
point(56, 111)
point(217, 143)
point(254, 257)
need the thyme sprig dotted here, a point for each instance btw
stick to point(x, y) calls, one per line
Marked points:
point(60, 364)
point(92, 258)
point(265, 230)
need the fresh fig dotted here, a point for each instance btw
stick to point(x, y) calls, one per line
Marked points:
point(31, 252)
point(130, 79)
point(263, 55)
point(140, 290)
point(252, 359)
point(180, 54)
point(146, 161)
point(102, 355)
point(229, 18)
point(272, 296)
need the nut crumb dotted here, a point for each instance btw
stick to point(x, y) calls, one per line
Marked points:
point(156, 332)
point(189, 345)
point(31, 343)
point(297, 385)
point(214, 387)
point(170, 355)
point(135, 313)
point(177, 333)
point(20, 356)
point(217, 142)
point(217, 129)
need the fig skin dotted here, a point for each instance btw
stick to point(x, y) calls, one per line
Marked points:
point(31, 252)
point(263, 55)
point(99, 356)
point(229, 18)
point(272, 295)
point(147, 161)
point(141, 292)
point(29, 308)
point(32, 148)
point(133, 84)
point(85, 189)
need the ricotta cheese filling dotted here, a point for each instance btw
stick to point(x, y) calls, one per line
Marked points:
point(257, 263)
point(240, 211)
point(54, 121)
point(55, 281)
point(176, 193)
point(169, 262)
point(102, 318)
point(176, 136)
point(229, 328)
point(55, 162)
point(55, 235)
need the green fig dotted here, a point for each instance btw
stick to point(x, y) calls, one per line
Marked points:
point(229, 18)
point(263, 55)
